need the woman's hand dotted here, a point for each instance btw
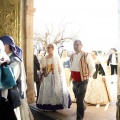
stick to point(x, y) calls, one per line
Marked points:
point(103, 79)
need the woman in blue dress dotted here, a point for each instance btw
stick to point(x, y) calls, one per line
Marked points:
point(66, 66)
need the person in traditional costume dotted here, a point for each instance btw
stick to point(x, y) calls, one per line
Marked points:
point(98, 90)
point(66, 65)
point(112, 64)
point(53, 94)
point(6, 112)
point(104, 57)
point(17, 94)
point(82, 67)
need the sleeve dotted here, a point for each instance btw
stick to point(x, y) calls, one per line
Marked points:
point(37, 62)
point(108, 62)
point(16, 69)
point(117, 57)
point(71, 58)
point(101, 70)
point(91, 64)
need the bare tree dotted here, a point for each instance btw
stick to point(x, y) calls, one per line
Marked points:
point(51, 36)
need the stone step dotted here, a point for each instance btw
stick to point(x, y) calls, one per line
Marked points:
point(39, 114)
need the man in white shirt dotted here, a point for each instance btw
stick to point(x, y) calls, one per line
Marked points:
point(112, 61)
point(82, 67)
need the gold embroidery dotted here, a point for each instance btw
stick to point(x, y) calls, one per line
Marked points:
point(48, 68)
point(10, 19)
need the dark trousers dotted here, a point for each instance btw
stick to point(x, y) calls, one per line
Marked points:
point(6, 111)
point(113, 69)
point(79, 89)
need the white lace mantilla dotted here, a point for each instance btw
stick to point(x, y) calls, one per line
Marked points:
point(53, 89)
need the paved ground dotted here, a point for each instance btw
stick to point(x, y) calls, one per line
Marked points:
point(91, 113)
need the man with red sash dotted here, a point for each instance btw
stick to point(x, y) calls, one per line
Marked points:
point(82, 67)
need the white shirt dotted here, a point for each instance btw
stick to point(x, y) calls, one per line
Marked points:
point(113, 62)
point(75, 66)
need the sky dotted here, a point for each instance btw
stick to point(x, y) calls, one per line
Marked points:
point(95, 20)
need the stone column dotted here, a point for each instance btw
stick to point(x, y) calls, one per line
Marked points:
point(29, 49)
point(118, 85)
point(118, 90)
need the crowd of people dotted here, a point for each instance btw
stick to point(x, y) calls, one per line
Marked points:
point(84, 78)
point(81, 77)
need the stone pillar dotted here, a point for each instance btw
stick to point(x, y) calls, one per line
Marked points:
point(118, 91)
point(29, 49)
point(118, 85)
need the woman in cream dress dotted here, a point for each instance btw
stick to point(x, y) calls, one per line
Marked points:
point(53, 94)
point(98, 90)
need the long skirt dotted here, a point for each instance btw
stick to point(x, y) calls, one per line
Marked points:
point(49, 97)
point(97, 91)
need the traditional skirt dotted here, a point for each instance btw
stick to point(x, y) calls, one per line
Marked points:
point(49, 98)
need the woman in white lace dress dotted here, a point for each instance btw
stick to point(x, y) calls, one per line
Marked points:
point(53, 94)
point(98, 90)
